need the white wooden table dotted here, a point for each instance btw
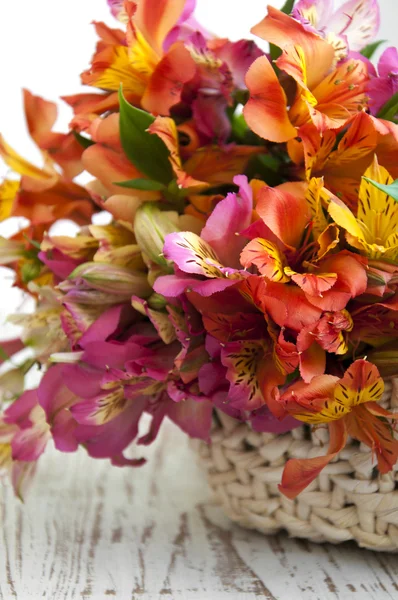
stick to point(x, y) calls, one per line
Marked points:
point(92, 531)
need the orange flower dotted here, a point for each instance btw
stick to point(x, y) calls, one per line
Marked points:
point(151, 77)
point(343, 166)
point(350, 407)
point(326, 95)
point(43, 195)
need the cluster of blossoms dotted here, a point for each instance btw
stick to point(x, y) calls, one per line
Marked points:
point(250, 260)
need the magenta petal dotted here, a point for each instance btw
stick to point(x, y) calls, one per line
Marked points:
point(323, 10)
point(9, 348)
point(104, 355)
point(172, 286)
point(193, 417)
point(239, 57)
point(212, 286)
point(83, 380)
point(221, 402)
point(209, 113)
point(108, 324)
point(60, 264)
point(63, 432)
point(22, 476)
point(213, 347)
point(110, 439)
point(18, 412)
point(116, 7)
point(357, 20)
point(28, 444)
point(264, 421)
point(229, 218)
point(183, 249)
point(379, 91)
point(52, 392)
point(158, 412)
point(84, 412)
point(388, 63)
point(122, 461)
point(211, 376)
point(56, 399)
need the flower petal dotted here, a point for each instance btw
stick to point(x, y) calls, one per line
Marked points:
point(282, 30)
point(266, 110)
point(358, 21)
point(375, 433)
point(299, 473)
point(166, 83)
point(267, 257)
point(286, 215)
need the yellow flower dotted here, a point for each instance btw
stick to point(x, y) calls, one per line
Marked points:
point(374, 231)
point(8, 190)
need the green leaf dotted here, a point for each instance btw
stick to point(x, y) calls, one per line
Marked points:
point(33, 243)
point(391, 190)
point(83, 141)
point(275, 53)
point(142, 184)
point(147, 152)
point(239, 127)
point(370, 49)
point(3, 355)
point(390, 109)
point(287, 7)
point(270, 162)
point(30, 270)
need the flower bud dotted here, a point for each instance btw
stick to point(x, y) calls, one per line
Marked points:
point(156, 301)
point(10, 251)
point(151, 226)
point(11, 384)
point(386, 359)
point(112, 279)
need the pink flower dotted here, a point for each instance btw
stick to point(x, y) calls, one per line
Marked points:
point(9, 347)
point(356, 22)
point(24, 434)
point(214, 254)
point(382, 88)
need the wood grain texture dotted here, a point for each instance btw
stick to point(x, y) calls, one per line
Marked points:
point(92, 531)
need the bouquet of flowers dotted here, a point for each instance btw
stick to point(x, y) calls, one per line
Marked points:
point(246, 263)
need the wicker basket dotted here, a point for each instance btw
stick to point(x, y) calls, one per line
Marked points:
point(350, 500)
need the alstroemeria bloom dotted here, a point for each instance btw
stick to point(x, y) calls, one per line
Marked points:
point(299, 246)
point(342, 161)
point(298, 256)
point(351, 27)
point(381, 88)
point(117, 374)
point(350, 407)
point(163, 66)
point(43, 195)
point(326, 95)
point(9, 347)
point(375, 323)
point(243, 348)
point(209, 263)
point(41, 330)
point(24, 434)
point(150, 76)
point(374, 230)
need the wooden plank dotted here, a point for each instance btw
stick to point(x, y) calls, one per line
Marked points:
point(89, 530)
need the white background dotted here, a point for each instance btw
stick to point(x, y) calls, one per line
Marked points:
point(46, 44)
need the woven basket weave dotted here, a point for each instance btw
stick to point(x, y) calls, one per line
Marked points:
point(349, 500)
